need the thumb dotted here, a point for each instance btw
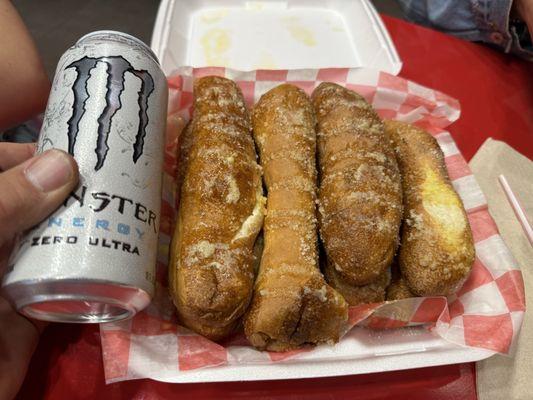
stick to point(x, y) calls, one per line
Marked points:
point(32, 190)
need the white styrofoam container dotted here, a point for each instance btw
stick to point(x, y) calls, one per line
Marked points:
point(293, 34)
point(290, 34)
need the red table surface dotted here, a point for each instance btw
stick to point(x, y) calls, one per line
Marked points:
point(496, 95)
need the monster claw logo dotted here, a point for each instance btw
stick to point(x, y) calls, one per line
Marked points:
point(117, 67)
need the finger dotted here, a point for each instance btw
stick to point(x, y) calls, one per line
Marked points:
point(18, 343)
point(12, 154)
point(32, 190)
point(5, 251)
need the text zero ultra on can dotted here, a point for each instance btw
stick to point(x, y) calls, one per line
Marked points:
point(93, 259)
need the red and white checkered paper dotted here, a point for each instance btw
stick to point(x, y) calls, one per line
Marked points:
point(486, 313)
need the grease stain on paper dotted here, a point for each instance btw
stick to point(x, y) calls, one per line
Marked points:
point(215, 44)
point(214, 16)
point(299, 32)
point(255, 5)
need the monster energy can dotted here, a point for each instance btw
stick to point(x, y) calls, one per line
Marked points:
point(93, 259)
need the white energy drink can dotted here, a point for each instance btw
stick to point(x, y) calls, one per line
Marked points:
point(93, 259)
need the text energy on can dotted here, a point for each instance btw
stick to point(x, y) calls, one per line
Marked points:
point(93, 259)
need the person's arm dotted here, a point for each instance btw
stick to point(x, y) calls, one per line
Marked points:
point(24, 85)
point(484, 21)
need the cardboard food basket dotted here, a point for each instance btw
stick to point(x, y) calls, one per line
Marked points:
point(261, 44)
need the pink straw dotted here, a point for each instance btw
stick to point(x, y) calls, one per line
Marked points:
point(517, 208)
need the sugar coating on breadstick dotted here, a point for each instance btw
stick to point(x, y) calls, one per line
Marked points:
point(185, 142)
point(437, 250)
point(220, 213)
point(360, 190)
point(292, 304)
point(373, 292)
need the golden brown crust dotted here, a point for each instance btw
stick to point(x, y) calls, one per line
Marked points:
point(437, 249)
point(398, 288)
point(220, 212)
point(360, 191)
point(185, 142)
point(373, 292)
point(292, 304)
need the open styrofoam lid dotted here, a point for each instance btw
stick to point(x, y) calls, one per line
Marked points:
point(292, 34)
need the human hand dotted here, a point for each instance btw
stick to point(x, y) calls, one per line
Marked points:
point(31, 187)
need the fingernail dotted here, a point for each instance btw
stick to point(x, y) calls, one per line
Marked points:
point(51, 170)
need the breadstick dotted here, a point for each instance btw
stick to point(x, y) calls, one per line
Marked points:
point(220, 213)
point(437, 250)
point(185, 142)
point(360, 193)
point(398, 288)
point(373, 292)
point(292, 304)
